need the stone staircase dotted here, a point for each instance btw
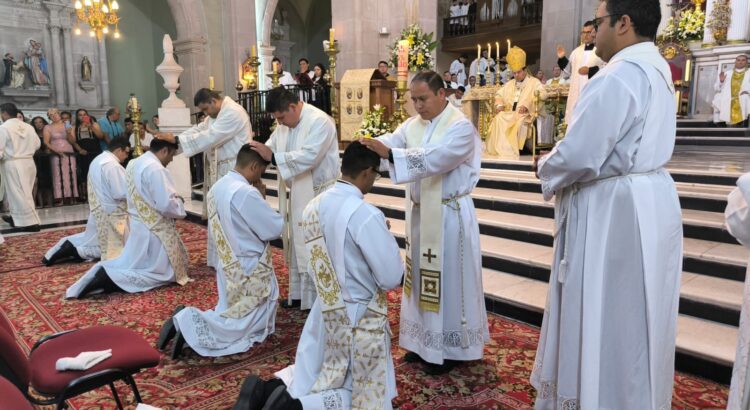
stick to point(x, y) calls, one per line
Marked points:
point(702, 133)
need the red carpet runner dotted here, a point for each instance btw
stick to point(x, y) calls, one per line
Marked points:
point(32, 297)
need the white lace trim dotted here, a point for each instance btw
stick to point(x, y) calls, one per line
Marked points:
point(438, 340)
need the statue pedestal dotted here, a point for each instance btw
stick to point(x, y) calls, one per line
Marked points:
point(23, 96)
point(708, 63)
point(177, 120)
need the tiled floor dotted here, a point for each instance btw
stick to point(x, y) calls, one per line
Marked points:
point(54, 218)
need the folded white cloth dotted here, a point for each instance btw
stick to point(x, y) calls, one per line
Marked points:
point(142, 406)
point(84, 360)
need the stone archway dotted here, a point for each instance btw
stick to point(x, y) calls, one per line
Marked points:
point(191, 45)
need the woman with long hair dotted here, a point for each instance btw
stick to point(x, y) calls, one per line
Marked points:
point(43, 185)
point(63, 162)
point(85, 136)
point(321, 95)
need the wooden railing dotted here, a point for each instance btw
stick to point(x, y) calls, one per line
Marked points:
point(488, 20)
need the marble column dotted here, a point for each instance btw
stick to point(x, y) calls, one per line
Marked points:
point(708, 36)
point(57, 65)
point(69, 68)
point(192, 55)
point(103, 75)
point(738, 29)
point(266, 55)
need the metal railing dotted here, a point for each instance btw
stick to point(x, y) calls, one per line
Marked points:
point(460, 26)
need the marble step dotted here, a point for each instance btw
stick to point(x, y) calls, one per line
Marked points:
point(714, 141)
point(712, 132)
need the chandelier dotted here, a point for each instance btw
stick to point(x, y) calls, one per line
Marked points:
point(99, 15)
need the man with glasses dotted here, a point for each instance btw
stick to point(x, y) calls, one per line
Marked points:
point(581, 66)
point(608, 335)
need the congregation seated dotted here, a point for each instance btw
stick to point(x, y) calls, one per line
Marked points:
point(154, 254)
point(106, 228)
point(510, 129)
point(240, 225)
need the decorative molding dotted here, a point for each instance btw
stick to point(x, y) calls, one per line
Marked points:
point(190, 46)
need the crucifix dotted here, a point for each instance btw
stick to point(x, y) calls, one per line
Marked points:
point(429, 255)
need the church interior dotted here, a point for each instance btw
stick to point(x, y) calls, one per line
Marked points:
point(133, 67)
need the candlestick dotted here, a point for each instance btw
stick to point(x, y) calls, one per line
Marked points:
point(332, 51)
point(254, 53)
point(497, 48)
point(134, 112)
point(331, 33)
point(210, 82)
point(508, 40)
point(479, 52)
point(489, 52)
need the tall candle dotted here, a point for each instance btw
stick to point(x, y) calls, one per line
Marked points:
point(508, 44)
point(497, 47)
point(479, 51)
point(402, 72)
point(254, 52)
point(331, 33)
point(210, 82)
point(489, 51)
point(275, 66)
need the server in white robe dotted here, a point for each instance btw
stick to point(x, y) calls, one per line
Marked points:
point(438, 154)
point(154, 254)
point(220, 137)
point(18, 143)
point(106, 228)
point(458, 67)
point(582, 65)
point(738, 223)
point(608, 334)
point(343, 359)
point(304, 149)
point(732, 100)
point(240, 224)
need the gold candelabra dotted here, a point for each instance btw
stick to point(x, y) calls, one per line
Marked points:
point(399, 114)
point(274, 77)
point(99, 15)
point(250, 76)
point(134, 111)
point(332, 50)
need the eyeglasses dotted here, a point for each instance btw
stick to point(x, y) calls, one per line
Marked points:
point(599, 20)
point(378, 174)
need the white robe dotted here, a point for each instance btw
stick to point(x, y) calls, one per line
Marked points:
point(459, 69)
point(738, 223)
point(722, 102)
point(18, 143)
point(108, 178)
point(249, 223)
point(578, 58)
point(560, 81)
point(221, 139)
point(366, 257)
point(608, 334)
point(143, 263)
point(317, 152)
point(438, 336)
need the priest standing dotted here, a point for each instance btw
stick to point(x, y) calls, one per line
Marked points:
point(732, 100)
point(305, 150)
point(240, 224)
point(582, 65)
point(438, 154)
point(220, 137)
point(343, 358)
point(608, 333)
point(18, 143)
point(107, 226)
point(738, 223)
point(154, 254)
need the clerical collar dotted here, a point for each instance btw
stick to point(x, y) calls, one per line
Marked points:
point(740, 70)
point(588, 47)
point(351, 187)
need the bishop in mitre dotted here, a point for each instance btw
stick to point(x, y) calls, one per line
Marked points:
point(343, 358)
point(154, 254)
point(438, 155)
point(240, 224)
point(220, 136)
point(305, 150)
point(514, 103)
point(737, 216)
point(732, 100)
point(107, 225)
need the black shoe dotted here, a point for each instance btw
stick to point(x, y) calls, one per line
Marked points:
point(179, 344)
point(251, 394)
point(295, 303)
point(168, 330)
point(66, 251)
point(9, 220)
point(438, 369)
point(411, 357)
point(280, 399)
point(30, 228)
point(100, 282)
point(46, 261)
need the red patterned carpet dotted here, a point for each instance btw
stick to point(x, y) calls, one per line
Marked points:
point(31, 296)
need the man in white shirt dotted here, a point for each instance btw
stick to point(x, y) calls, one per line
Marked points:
point(455, 98)
point(557, 78)
point(106, 229)
point(582, 65)
point(608, 335)
point(472, 83)
point(146, 137)
point(383, 68)
point(18, 143)
point(285, 77)
point(458, 67)
point(304, 149)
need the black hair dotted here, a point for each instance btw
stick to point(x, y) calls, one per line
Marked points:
point(382, 62)
point(279, 99)
point(447, 71)
point(119, 142)
point(111, 111)
point(645, 15)
point(322, 69)
point(204, 96)
point(159, 144)
point(247, 156)
point(305, 60)
point(462, 88)
point(35, 118)
point(464, 56)
point(358, 158)
point(276, 59)
point(10, 109)
point(431, 78)
point(65, 112)
point(588, 23)
point(130, 120)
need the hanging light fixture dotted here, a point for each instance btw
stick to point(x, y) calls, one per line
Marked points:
point(99, 15)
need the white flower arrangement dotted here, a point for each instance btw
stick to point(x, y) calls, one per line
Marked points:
point(374, 125)
point(421, 46)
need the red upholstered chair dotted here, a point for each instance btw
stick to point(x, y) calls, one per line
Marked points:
point(12, 398)
point(130, 354)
